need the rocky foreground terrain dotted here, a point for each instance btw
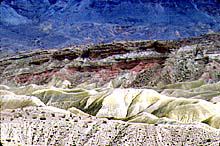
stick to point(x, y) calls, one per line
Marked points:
point(123, 93)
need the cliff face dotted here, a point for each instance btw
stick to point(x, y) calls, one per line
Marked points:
point(102, 63)
point(58, 23)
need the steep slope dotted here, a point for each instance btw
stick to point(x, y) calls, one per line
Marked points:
point(119, 62)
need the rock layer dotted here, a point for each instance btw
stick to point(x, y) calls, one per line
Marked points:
point(134, 105)
point(151, 92)
point(99, 63)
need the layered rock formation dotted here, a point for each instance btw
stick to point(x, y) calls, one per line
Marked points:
point(101, 63)
point(123, 93)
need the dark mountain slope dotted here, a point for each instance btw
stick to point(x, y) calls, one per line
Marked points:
point(29, 24)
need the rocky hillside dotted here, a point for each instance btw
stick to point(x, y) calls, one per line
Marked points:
point(60, 23)
point(121, 61)
point(121, 93)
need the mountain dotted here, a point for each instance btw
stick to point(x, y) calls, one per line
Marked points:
point(30, 24)
point(60, 89)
